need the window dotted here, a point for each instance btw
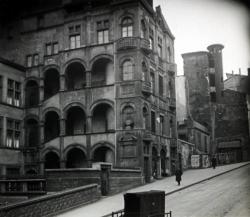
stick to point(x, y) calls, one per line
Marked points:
point(144, 71)
point(127, 27)
point(14, 93)
point(36, 59)
point(143, 29)
point(1, 131)
point(48, 49)
point(103, 36)
point(160, 47)
point(152, 81)
point(127, 70)
point(161, 124)
point(29, 61)
point(52, 48)
point(74, 41)
point(151, 39)
point(1, 88)
point(75, 37)
point(161, 86)
point(13, 133)
point(102, 31)
point(32, 60)
point(151, 43)
point(153, 128)
point(169, 54)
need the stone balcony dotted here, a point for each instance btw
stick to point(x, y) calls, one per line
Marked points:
point(133, 43)
point(146, 88)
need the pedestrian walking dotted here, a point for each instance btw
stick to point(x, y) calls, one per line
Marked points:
point(178, 174)
point(213, 161)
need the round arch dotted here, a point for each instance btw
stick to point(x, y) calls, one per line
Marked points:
point(71, 105)
point(100, 56)
point(75, 157)
point(103, 152)
point(101, 101)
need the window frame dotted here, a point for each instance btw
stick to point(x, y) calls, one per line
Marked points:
point(13, 133)
point(127, 75)
point(15, 89)
point(127, 29)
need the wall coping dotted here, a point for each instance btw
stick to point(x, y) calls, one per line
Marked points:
point(126, 170)
point(47, 197)
point(71, 169)
point(188, 143)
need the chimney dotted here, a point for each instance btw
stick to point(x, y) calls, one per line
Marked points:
point(232, 72)
point(240, 71)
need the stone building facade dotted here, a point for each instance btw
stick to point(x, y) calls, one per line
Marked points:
point(11, 117)
point(222, 112)
point(99, 84)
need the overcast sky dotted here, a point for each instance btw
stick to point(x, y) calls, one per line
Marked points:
point(199, 23)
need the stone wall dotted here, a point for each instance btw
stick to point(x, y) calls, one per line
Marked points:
point(50, 205)
point(118, 179)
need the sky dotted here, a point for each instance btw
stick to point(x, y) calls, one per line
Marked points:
point(197, 24)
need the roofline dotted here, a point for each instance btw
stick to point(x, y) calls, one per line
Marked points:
point(12, 64)
point(194, 53)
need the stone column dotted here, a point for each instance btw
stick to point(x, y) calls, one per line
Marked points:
point(41, 165)
point(88, 78)
point(62, 82)
point(42, 131)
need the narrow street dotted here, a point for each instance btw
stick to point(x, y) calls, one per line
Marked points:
point(227, 195)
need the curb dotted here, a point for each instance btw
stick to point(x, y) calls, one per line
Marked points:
point(203, 180)
point(190, 185)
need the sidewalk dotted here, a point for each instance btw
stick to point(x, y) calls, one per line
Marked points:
point(113, 203)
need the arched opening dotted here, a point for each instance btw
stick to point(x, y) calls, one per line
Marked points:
point(103, 154)
point(31, 94)
point(76, 121)
point(103, 119)
point(51, 83)
point(76, 158)
point(75, 76)
point(52, 160)
point(51, 126)
point(102, 72)
point(154, 162)
point(32, 133)
point(163, 162)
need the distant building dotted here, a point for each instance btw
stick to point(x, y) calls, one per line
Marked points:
point(98, 85)
point(188, 129)
point(222, 112)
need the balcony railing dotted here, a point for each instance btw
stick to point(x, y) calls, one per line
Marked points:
point(133, 42)
point(23, 186)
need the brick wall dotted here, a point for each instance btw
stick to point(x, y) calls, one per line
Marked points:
point(51, 205)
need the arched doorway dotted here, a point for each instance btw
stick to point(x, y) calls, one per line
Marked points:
point(32, 132)
point(52, 160)
point(51, 126)
point(104, 154)
point(31, 94)
point(102, 72)
point(75, 76)
point(76, 158)
point(76, 121)
point(103, 118)
point(51, 83)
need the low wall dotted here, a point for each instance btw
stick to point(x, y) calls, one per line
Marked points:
point(118, 179)
point(61, 179)
point(186, 149)
point(122, 179)
point(50, 205)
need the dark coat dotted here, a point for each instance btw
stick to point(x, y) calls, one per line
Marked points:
point(178, 174)
point(213, 161)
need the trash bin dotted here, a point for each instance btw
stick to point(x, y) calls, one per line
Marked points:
point(144, 204)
